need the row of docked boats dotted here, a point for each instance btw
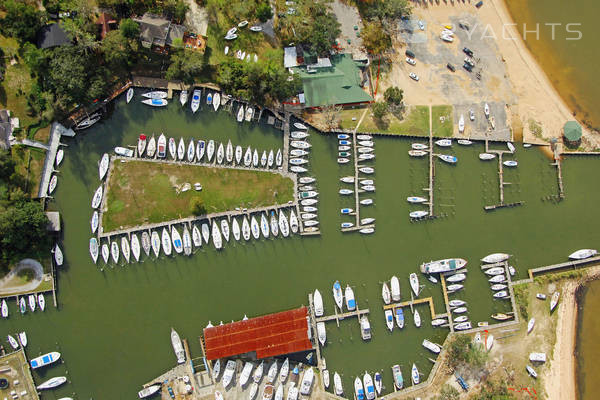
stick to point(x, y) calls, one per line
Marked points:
point(245, 113)
point(201, 151)
point(33, 300)
point(193, 236)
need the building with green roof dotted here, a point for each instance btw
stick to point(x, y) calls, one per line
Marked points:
point(572, 133)
point(337, 80)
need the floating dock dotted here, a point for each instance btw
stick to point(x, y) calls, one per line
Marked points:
point(501, 182)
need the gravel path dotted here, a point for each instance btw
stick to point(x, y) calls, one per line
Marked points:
point(27, 263)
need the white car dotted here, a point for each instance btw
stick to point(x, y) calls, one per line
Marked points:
point(414, 76)
point(411, 61)
point(471, 115)
point(421, 25)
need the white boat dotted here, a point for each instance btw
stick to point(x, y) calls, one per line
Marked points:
point(249, 112)
point(456, 278)
point(246, 229)
point(583, 254)
point(176, 239)
point(501, 294)
point(191, 151)
point(238, 154)
point(366, 156)
point(220, 153)
point(22, 305)
point(554, 301)
point(417, 318)
point(307, 380)
point(122, 151)
point(278, 158)
point(97, 197)
point(459, 310)
point(279, 393)
point(216, 236)
point(495, 258)
point(537, 357)
point(258, 373)
point(135, 246)
point(531, 371)
point(155, 102)
point(177, 346)
point(181, 149)
point(156, 94)
point(13, 342)
point(272, 373)
point(146, 244)
point(196, 236)
point(300, 144)
point(414, 283)
point(389, 319)
point(285, 370)
point(318, 303)
point(297, 161)
point(248, 157)
point(87, 122)
point(264, 225)
point(255, 158)
point(489, 342)
point(196, 94)
point(419, 146)
point(225, 229)
point(530, 325)
point(240, 114)
point(216, 101)
point(59, 157)
point(45, 359)
point(129, 95)
point(511, 147)
point(31, 299)
point(209, 98)
point(299, 125)
point(418, 214)
point(497, 279)
point(151, 149)
point(270, 159)
point(166, 242)
point(321, 333)
point(125, 247)
point(454, 287)
point(417, 153)
point(172, 148)
point(510, 163)
point(4, 309)
point(461, 124)
point(58, 255)
point(366, 143)
point(443, 142)
point(494, 271)
point(141, 145)
point(217, 364)
point(300, 135)
point(445, 265)
point(350, 301)
point(359, 391)
point(292, 391)
point(187, 241)
point(343, 160)
point(416, 199)
point(486, 156)
point(369, 387)
point(435, 348)
point(385, 293)
point(52, 184)
point(486, 110)
point(498, 286)
point(210, 150)
point(414, 374)
point(161, 146)
point(254, 227)
point(256, 28)
point(229, 152)
point(23, 338)
point(205, 232)
point(94, 249)
point(462, 326)
point(235, 228)
point(155, 240)
point(149, 391)
point(293, 222)
point(105, 253)
point(464, 142)
point(448, 158)
point(94, 221)
point(338, 296)
point(229, 373)
point(245, 374)
point(52, 383)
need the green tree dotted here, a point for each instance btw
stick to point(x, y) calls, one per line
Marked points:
point(175, 9)
point(264, 12)
point(7, 166)
point(36, 59)
point(186, 65)
point(22, 21)
point(116, 50)
point(393, 95)
point(197, 206)
point(464, 351)
point(375, 39)
point(379, 110)
point(319, 29)
point(129, 29)
point(22, 231)
point(388, 10)
point(448, 392)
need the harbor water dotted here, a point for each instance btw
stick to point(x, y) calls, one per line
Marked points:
point(587, 349)
point(112, 326)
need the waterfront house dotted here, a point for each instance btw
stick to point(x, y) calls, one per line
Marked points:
point(160, 33)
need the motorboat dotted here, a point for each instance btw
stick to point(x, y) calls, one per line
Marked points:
point(511, 147)
point(448, 158)
point(462, 326)
point(258, 372)
point(365, 150)
point(209, 98)
point(435, 348)
point(369, 387)
point(486, 156)
point(365, 328)
point(195, 105)
point(510, 163)
point(445, 265)
point(395, 286)
point(321, 333)
point(338, 296)
point(299, 125)
point(347, 179)
point(318, 303)
point(502, 316)
point(285, 370)
point(177, 346)
point(326, 378)
point(367, 156)
point(149, 391)
point(161, 146)
point(494, 271)
point(94, 249)
point(366, 231)
point(141, 145)
point(444, 142)
point(156, 94)
point(122, 151)
point(486, 110)
point(583, 254)
point(307, 380)
point(554, 300)
point(462, 318)
point(52, 383)
point(531, 371)
point(13, 342)
point(366, 143)
point(337, 384)
point(358, 389)
point(343, 160)
point(385, 293)
point(151, 148)
point(97, 197)
point(228, 373)
point(246, 373)
point(155, 102)
point(23, 338)
point(398, 380)
point(461, 124)
point(256, 28)
point(464, 142)
point(414, 283)
point(296, 161)
point(350, 301)
point(414, 374)
point(389, 319)
point(216, 101)
point(166, 242)
point(345, 192)
point(400, 317)
point(216, 236)
point(44, 359)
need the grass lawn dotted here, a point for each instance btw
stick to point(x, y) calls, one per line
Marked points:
point(445, 128)
point(146, 192)
point(414, 123)
point(30, 162)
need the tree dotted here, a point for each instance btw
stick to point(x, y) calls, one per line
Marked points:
point(116, 50)
point(264, 12)
point(464, 351)
point(175, 9)
point(7, 166)
point(379, 110)
point(320, 30)
point(34, 58)
point(393, 96)
point(22, 21)
point(448, 393)
point(197, 206)
point(375, 39)
point(129, 29)
point(388, 10)
point(331, 116)
point(186, 65)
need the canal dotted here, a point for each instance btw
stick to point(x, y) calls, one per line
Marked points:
point(113, 326)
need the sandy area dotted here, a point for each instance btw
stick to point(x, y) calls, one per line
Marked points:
point(527, 94)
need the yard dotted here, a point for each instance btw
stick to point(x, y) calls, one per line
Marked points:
point(146, 192)
point(414, 123)
point(441, 121)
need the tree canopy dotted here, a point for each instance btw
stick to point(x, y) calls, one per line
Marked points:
point(186, 65)
point(22, 21)
point(375, 39)
point(393, 95)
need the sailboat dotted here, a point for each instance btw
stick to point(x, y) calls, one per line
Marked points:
point(94, 249)
point(187, 241)
point(220, 153)
point(238, 154)
point(4, 309)
point(166, 242)
point(58, 255)
point(385, 293)
point(151, 149)
point(210, 150)
point(229, 152)
point(216, 102)
point(191, 151)
point(155, 240)
point(135, 246)
point(414, 283)
point(216, 236)
point(125, 247)
point(97, 197)
point(337, 294)
point(240, 114)
point(52, 383)
point(172, 148)
point(235, 228)
point(200, 148)
point(225, 229)
point(129, 95)
point(146, 244)
point(417, 318)
point(246, 229)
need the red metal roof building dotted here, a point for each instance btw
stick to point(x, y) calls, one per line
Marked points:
point(267, 336)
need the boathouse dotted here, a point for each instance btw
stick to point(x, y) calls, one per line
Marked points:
point(572, 133)
point(271, 335)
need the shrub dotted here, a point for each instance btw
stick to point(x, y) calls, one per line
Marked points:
point(197, 206)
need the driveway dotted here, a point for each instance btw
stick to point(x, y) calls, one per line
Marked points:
point(27, 263)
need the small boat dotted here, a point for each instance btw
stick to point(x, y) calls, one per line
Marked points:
point(461, 318)
point(285, 370)
point(196, 236)
point(448, 158)
point(365, 150)
point(345, 191)
point(220, 153)
point(161, 146)
point(300, 135)
point(300, 144)
point(498, 286)
point(149, 391)
point(531, 371)
point(254, 228)
point(527, 145)
point(52, 383)
point(187, 241)
point(246, 229)
point(296, 161)
point(321, 333)
point(238, 154)
point(358, 389)
point(155, 102)
point(97, 197)
point(229, 152)
point(255, 158)
point(125, 247)
point(489, 342)
point(105, 253)
point(172, 148)
point(59, 157)
point(417, 153)
point(246, 373)
point(45, 359)
point(176, 239)
point(438, 322)
point(298, 125)
point(337, 294)
point(249, 110)
point(256, 28)
point(415, 375)
point(4, 309)
point(385, 293)
point(497, 279)
point(216, 236)
point(209, 98)
point(210, 150)
point(228, 373)
point(583, 254)
point(495, 258)
point(464, 142)
point(58, 255)
point(326, 378)
point(318, 303)
point(530, 325)
point(419, 146)
point(414, 283)
point(511, 147)
point(181, 149)
point(459, 310)
point(235, 228)
point(400, 317)
point(135, 246)
point(366, 202)
point(13, 342)
point(416, 199)
point(191, 151)
point(271, 157)
point(389, 319)
point(454, 287)
point(264, 226)
point(502, 317)
point(151, 148)
point(217, 364)
point(398, 380)
point(87, 122)
point(122, 151)
point(129, 95)
point(177, 346)
point(486, 110)
point(308, 194)
point(343, 160)
point(155, 240)
point(272, 373)
point(510, 163)
point(240, 114)
point(248, 157)
point(94, 249)
point(52, 184)
point(554, 300)
point(350, 301)
point(486, 156)
point(23, 339)
point(366, 156)
point(417, 318)
point(141, 145)
point(216, 101)
point(432, 346)
point(22, 305)
point(418, 214)
point(369, 387)
point(444, 142)
point(258, 373)
point(366, 143)
point(347, 179)
point(537, 357)
point(367, 231)
point(395, 285)
point(511, 270)
point(278, 158)
point(196, 94)
point(156, 94)
point(462, 326)
point(461, 124)
point(166, 242)
point(494, 271)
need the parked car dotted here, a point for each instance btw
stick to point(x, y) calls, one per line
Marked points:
point(468, 67)
point(421, 25)
point(451, 67)
point(468, 51)
point(410, 54)
point(471, 115)
point(469, 61)
point(411, 61)
point(414, 76)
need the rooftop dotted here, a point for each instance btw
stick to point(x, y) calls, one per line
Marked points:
point(51, 36)
point(268, 336)
point(572, 131)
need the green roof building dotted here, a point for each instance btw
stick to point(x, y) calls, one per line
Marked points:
point(336, 82)
point(572, 133)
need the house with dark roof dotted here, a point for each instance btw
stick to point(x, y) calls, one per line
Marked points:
point(158, 31)
point(52, 35)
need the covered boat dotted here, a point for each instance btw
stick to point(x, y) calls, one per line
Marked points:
point(445, 265)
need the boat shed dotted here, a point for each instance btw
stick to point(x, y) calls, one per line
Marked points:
point(267, 336)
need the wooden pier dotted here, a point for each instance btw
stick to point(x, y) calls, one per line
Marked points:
point(557, 163)
point(411, 303)
point(431, 166)
point(501, 182)
point(338, 317)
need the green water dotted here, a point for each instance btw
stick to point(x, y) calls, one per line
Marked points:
point(571, 65)
point(112, 327)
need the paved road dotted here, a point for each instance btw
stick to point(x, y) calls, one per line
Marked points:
point(27, 263)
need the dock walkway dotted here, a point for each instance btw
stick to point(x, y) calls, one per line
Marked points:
point(49, 162)
point(501, 181)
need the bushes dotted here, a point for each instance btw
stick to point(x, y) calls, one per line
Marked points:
point(464, 351)
point(197, 206)
point(379, 110)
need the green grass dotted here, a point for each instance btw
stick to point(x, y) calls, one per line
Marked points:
point(445, 128)
point(145, 192)
point(415, 122)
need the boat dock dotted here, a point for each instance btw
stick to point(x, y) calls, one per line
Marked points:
point(569, 264)
point(50, 161)
point(558, 164)
point(501, 182)
point(431, 166)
